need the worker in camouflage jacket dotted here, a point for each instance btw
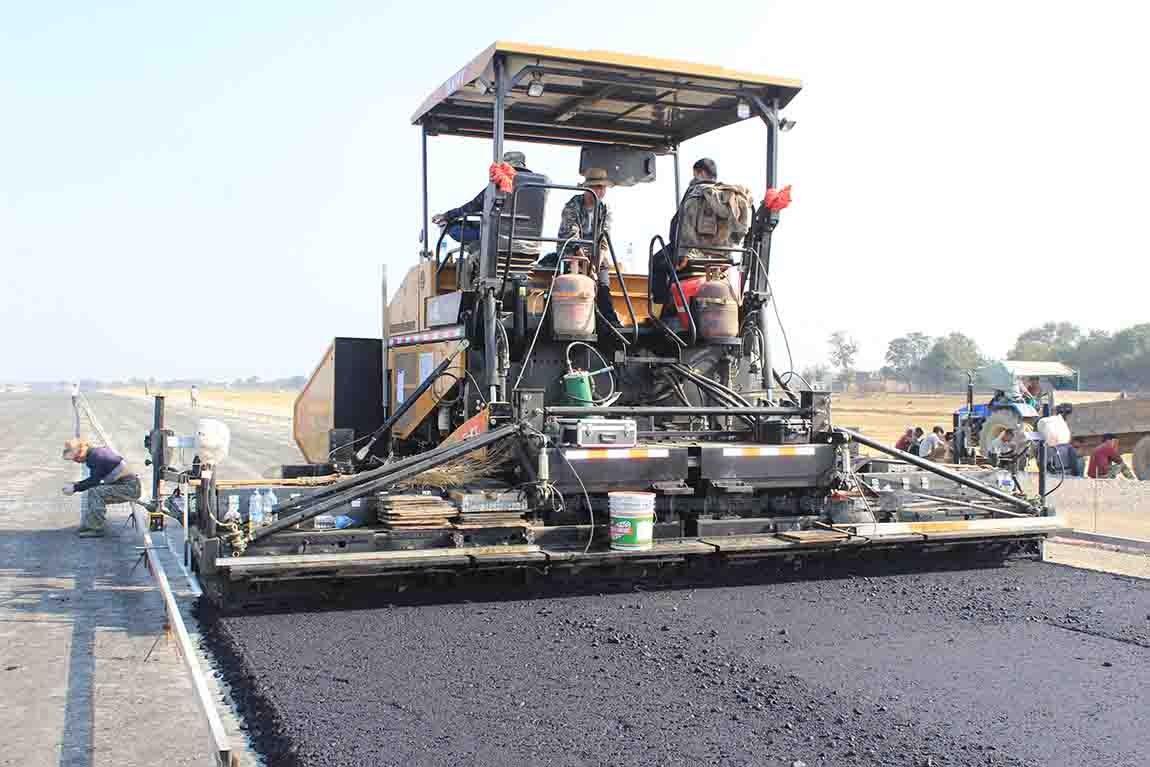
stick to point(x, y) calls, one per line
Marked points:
point(578, 221)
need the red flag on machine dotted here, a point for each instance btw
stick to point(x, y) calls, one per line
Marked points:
point(777, 199)
point(502, 174)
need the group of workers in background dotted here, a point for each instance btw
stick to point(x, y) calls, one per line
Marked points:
point(1062, 457)
point(937, 446)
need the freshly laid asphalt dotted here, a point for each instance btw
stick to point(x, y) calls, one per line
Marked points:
point(1024, 664)
point(1021, 664)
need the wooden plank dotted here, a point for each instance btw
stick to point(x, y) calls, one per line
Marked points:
point(813, 536)
point(332, 560)
point(724, 544)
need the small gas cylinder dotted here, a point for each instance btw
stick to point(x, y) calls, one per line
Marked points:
point(573, 299)
point(717, 307)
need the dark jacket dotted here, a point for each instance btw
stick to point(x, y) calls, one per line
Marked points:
point(101, 463)
point(476, 204)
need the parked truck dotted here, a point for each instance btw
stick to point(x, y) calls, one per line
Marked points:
point(1127, 418)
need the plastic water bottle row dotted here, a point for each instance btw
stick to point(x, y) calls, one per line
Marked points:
point(262, 507)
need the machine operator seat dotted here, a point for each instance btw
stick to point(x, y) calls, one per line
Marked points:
point(529, 209)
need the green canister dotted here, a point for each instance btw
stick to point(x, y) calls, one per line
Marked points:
point(577, 388)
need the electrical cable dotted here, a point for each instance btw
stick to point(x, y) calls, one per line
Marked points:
point(716, 391)
point(543, 316)
point(738, 399)
point(505, 354)
point(440, 400)
point(607, 368)
point(586, 496)
point(792, 374)
point(1062, 474)
point(478, 388)
point(783, 330)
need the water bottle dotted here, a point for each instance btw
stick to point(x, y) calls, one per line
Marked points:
point(332, 522)
point(271, 501)
point(232, 515)
point(256, 509)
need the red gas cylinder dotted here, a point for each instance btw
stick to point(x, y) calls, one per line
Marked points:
point(716, 307)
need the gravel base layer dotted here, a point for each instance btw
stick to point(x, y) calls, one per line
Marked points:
point(1020, 664)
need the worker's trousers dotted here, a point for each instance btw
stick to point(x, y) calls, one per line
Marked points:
point(122, 490)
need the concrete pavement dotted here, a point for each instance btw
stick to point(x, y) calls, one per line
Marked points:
point(87, 675)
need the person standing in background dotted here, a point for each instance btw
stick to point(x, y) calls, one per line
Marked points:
point(1061, 457)
point(194, 395)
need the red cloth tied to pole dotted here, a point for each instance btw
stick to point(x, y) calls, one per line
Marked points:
point(502, 174)
point(777, 199)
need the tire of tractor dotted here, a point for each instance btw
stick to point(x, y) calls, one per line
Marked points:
point(996, 423)
point(1142, 459)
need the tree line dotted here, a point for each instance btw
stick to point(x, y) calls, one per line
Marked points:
point(1105, 361)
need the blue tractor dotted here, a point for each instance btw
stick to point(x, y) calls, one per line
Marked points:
point(976, 426)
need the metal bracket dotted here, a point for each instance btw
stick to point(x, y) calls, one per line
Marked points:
point(622, 358)
point(732, 486)
point(673, 487)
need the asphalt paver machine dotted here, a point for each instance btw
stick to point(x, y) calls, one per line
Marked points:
point(533, 410)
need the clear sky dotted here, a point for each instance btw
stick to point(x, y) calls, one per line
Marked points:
point(209, 189)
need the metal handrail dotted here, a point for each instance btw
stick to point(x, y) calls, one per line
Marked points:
point(511, 238)
point(623, 285)
point(650, 290)
point(461, 220)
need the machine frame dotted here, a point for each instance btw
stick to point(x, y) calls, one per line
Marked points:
point(744, 467)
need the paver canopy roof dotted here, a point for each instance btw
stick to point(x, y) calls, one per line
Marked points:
point(594, 97)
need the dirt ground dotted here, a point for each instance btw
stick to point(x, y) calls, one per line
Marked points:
point(885, 416)
point(882, 415)
point(278, 403)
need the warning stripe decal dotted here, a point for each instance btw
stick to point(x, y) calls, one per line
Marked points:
point(607, 453)
point(755, 452)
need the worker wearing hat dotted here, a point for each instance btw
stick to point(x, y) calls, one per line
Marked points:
point(110, 480)
point(578, 217)
point(577, 221)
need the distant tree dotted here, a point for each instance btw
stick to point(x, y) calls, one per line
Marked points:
point(949, 359)
point(1052, 341)
point(844, 348)
point(904, 355)
point(1104, 360)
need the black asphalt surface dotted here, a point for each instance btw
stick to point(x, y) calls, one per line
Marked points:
point(1024, 664)
point(1020, 664)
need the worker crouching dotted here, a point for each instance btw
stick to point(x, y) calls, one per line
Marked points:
point(110, 480)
